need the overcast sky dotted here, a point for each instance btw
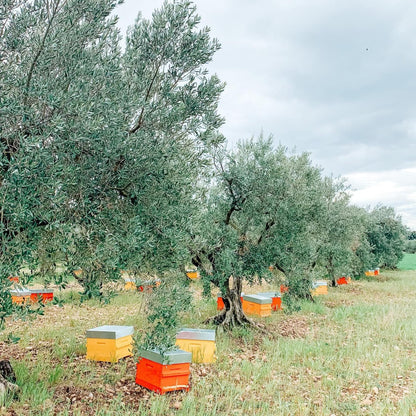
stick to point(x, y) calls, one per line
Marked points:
point(333, 78)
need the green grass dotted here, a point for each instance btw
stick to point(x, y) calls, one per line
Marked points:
point(350, 353)
point(408, 262)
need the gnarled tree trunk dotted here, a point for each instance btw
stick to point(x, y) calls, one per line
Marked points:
point(7, 380)
point(232, 315)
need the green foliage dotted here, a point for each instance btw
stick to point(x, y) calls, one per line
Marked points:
point(164, 307)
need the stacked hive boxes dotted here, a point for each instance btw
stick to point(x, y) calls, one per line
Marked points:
point(320, 287)
point(276, 299)
point(199, 342)
point(257, 305)
point(164, 372)
point(109, 343)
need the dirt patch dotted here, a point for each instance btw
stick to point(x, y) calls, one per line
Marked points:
point(292, 327)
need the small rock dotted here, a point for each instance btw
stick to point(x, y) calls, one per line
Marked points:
point(375, 390)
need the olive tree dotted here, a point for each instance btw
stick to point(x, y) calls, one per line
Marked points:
point(101, 148)
point(260, 212)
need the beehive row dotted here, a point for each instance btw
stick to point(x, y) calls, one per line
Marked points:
point(158, 372)
point(23, 296)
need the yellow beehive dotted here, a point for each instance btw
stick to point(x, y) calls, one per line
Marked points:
point(129, 284)
point(199, 342)
point(257, 305)
point(370, 273)
point(109, 343)
point(319, 287)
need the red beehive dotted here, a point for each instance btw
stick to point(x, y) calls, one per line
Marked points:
point(14, 279)
point(163, 373)
point(45, 295)
point(220, 303)
point(342, 281)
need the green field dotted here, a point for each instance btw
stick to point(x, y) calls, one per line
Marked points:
point(350, 353)
point(408, 262)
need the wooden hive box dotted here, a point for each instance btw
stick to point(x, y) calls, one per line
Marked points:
point(109, 343)
point(130, 284)
point(320, 287)
point(276, 299)
point(163, 373)
point(370, 273)
point(20, 297)
point(14, 279)
point(192, 274)
point(199, 342)
point(220, 301)
point(148, 285)
point(257, 305)
point(44, 295)
point(342, 281)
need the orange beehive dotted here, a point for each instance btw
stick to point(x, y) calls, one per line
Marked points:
point(257, 305)
point(20, 297)
point(192, 274)
point(45, 295)
point(14, 279)
point(376, 272)
point(370, 273)
point(320, 287)
point(276, 299)
point(163, 373)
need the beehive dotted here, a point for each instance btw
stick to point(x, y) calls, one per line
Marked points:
point(14, 279)
point(257, 305)
point(192, 274)
point(320, 287)
point(276, 299)
point(148, 285)
point(220, 302)
point(163, 373)
point(45, 295)
point(199, 342)
point(376, 272)
point(109, 343)
point(130, 284)
point(20, 297)
point(370, 273)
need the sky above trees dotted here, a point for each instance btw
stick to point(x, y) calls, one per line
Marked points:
point(332, 78)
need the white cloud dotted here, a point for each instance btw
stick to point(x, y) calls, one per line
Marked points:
point(396, 188)
point(334, 78)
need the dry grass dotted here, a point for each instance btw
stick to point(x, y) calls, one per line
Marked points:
point(350, 353)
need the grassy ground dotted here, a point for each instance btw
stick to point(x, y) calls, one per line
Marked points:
point(350, 353)
point(408, 262)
